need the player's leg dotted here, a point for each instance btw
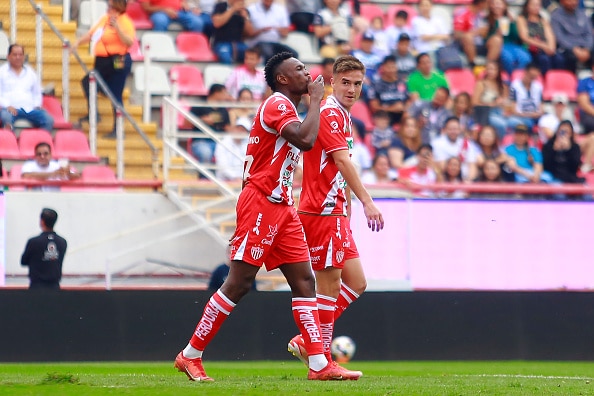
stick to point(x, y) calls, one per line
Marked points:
point(353, 285)
point(216, 311)
point(327, 290)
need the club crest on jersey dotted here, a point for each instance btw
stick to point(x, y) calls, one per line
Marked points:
point(257, 252)
point(339, 256)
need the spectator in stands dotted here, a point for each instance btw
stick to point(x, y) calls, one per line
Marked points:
point(270, 23)
point(525, 105)
point(536, 33)
point(424, 172)
point(388, 92)
point(382, 133)
point(462, 109)
point(405, 61)
point(490, 172)
point(549, 122)
point(380, 172)
point(452, 143)
point(111, 37)
point(470, 30)
point(20, 92)
point(428, 32)
point(573, 32)
point(585, 101)
point(489, 150)
point(360, 154)
point(43, 167)
point(248, 76)
point(501, 23)
point(204, 9)
point(562, 155)
point(431, 115)
point(367, 56)
point(327, 73)
point(397, 29)
point(302, 12)
point(525, 160)
point(231, 22)
point(217, 118)
point(490, 97)
point(230, 152)
point(405, 144)
point(380, 37)
point(44, 254)
point(246, 97)
point(452, 174)
point(163, 12)
point(424, 81)
point(333, 26)
point(221, 272)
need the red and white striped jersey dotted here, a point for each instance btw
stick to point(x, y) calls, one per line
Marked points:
point(323, 188)
point(270, 159)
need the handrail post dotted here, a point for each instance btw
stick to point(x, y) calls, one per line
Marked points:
point(39, 42)
point(66, 11)
point(66, 79)
point(166, 109)
point(93, 112)
point(120, 143)
point(146, 110)
point(13, 21)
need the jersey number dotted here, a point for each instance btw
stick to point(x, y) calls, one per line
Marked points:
point(249, 160)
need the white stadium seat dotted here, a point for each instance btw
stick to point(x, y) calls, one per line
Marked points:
point(158, 81)
point(161, 47)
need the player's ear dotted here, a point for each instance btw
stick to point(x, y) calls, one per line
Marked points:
point(281, 79)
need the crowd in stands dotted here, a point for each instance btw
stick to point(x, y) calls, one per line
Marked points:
point(420, 122)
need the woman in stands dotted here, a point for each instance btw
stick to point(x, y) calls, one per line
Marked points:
point(452, 174)
point(489, 98)
point(463, 110)
point(537, 34)
point(246, 96)
point(489, 150)
point(380, 172)
point(405, 145)
point(112, 36)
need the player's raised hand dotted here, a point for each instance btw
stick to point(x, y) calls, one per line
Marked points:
point(316, 89)
point(374, 217)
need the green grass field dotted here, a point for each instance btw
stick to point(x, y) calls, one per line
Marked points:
point(289, 378)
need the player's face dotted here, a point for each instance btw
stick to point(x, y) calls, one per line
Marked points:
point(296, 75)
point(347, 87)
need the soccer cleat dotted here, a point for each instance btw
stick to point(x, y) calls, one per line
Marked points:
point(331, 372)
point(191, 367)
point(297, 347)
point(348, 374)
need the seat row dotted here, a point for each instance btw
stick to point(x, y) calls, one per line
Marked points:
point(67, 143)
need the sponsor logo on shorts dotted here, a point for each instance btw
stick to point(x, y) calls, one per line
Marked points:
point(272, 231)
point(315, 259)
point(256, 230)
point(316, 248)
point(346, 244)
point(339, 256)
point(257, 252)
point(338, 228)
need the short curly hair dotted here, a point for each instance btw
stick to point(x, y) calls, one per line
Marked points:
point(272, 66)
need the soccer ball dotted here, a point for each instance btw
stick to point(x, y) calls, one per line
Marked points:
point(342, 349)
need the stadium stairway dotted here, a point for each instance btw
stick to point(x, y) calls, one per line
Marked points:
point(137, 155)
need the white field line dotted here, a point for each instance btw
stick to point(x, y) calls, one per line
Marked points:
point(526, 376)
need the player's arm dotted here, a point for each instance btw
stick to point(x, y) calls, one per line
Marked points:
point(375, 220)
point(303, 134)
point(347, 192)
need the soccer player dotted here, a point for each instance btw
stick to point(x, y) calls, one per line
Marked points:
point(329, 176)
point(268, 228)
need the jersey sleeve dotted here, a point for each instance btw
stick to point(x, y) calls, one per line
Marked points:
point(331, 135)
point(278, 113)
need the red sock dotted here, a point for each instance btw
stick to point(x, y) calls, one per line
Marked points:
point(346, 297)
point(305, 313)
point(326, 307)
point(216, 311)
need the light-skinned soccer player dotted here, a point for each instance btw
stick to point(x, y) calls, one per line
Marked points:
point(268, 228)
point(329, 176)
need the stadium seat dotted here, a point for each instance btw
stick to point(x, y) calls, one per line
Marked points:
point(139, 17)
point(15, 174)
point(361, 111)
point(305, 46)
point(216, 73)
point(29, 138)
point(560, 81)
point(195, 47)
point(453, 2)
point(370, 11)
point(74, 145)
point(158, 82)
point(394, 8)
point(4, 44)
point(189, 80)
point(86, 18)
point(161, 47)
point(9, 147)
point(92, 173)
point(460, 80)
point(315, 71)
point(54, 107)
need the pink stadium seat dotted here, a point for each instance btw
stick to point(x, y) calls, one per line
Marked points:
point(9, 147)
point(560, 81)
point(453, 2)
point(195, 47)
point(53, 106)
point(315, 71)
point(189, 79)
point(370, 11)
point(15, 174)
point(394, 8)
point(100, 173)
point(29, 138)
point(73, 144)
point(361, 111)
point(460, 80)
point(140, 18)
